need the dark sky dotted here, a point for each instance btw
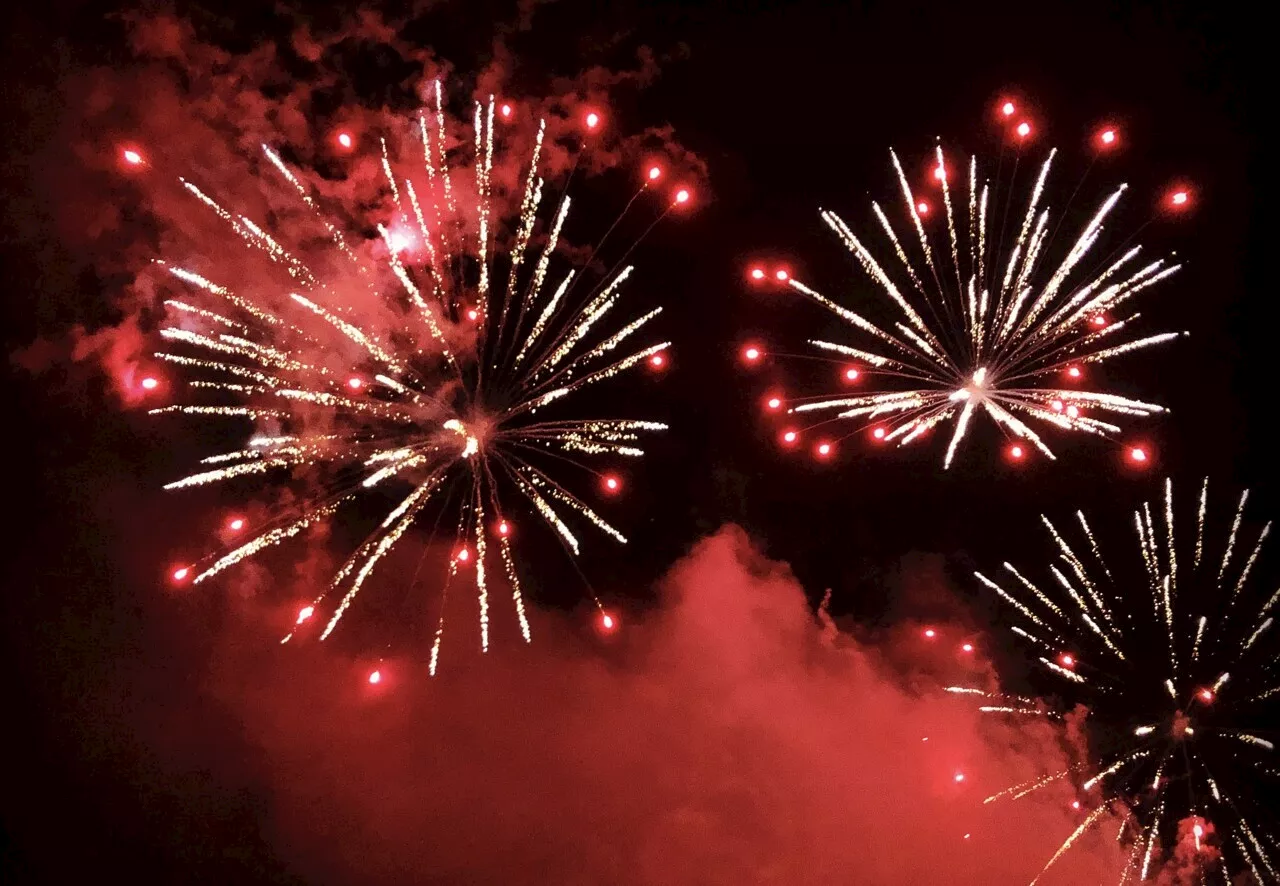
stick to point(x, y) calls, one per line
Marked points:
point(791, 107)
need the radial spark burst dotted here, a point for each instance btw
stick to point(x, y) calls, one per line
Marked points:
point(1172, 652)
point(462, 389)
point(995, 316)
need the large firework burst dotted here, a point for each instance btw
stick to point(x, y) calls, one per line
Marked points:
point(1168, 652)
point(460, 391)
point(995, 321)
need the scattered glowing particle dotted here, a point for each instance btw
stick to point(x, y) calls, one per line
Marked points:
point(1099, 320)
point(132, 157)
point(1073, 411)
point(824, 449)
point(1197, 830)
point(1056, 405)
point(959, 777)
point(1024, 129)
point(375, 678)
point(1137, 454)
point(682, 195)
point(1179, 198)
point(1206, 695)
point(473, 314)
point(967, 647)
point(657, 361)
point(851, 374)
point(464, 555)
point(757, 273)
point(355, 383)
point(504, 528)
point(774, 402)
point(782, 275)
point(922, 208)
point(1107, 137)
point(1007, 109)
point(926, 738)
point(751, 353)
point(150, 383)
point(1015, 452)
point(506, 110)
point(878, 433)
point(654, 173)
point(790, 436)
point(940, 173)
point(929, 634)
point(593, 120)
point(305, 613)
point(1075, 804)
point(345, 140)
point(966, 836)
point(236, 524)
point(1067, 660)
point(608, 622)
point(181, 573)
point(1074, 371)
point(612, 483)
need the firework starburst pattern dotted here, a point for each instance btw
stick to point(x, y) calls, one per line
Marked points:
point(994, 316)
point(468, 393)
point(1171, 650)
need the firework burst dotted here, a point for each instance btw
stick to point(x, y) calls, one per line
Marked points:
point(1169, 653)
point(981, 328)
point(467, 393)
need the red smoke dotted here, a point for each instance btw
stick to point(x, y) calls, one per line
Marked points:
point(735, 741)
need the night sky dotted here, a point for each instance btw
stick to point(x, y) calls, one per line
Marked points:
point(136, 744)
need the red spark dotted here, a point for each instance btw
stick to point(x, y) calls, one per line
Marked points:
point(1074, 371)
point(757, 273)
point(473, 314)
point(132, 157)
point(506, 110)
point(504, 528)
point(1206, 695)
point(959, 777)
point(782, 275)
point(1073, 411)
point(1107, 138)
point(922, 208)
point(1057, 405)
point(464, 554)
point(1075, 804)
point(305, 613)
point(593, 120)
point(235, 524)
point(929, 634)
point(968, 647)
point(824, 449)
point(1015, 452)
point(1197, 830)
point(1007, 109)
point(790, 437)
point(181, 573)
point(878, 433)
point(1067, 660)
point(355, 383)
point(940, 173)
point(751, 353)
point(1137, 454)
point(1099, 321)
point(345, 140)
point(150, 383)
point(1024, 129)
point(774, 403)
point(608, 622)
point(851, 374)
point(654, 173)
point(375, 678)
point(657, 361)
point(1179, 198)
point(612, 483)
point(682, 196)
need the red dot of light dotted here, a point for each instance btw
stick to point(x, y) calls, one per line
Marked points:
point(132, 157)
point(464, 555)
point(375, 678)
point(236, 524)
point(1197, 830)
point(781, 274)
point(878, 433)
point(1137, 454)
point(1007, 109)
point(506, 110)
point(612, 483)
point(593, 120)
point(1074, 371)
point(1075, 804)
point(150, 383)
point(968, 647)
point(751, 353)
point(1107, 137)
point(657, 361)
point(851, 374)
point(959, 777)
point(1206, 695)
point(1179, 198)
point(305, 613)
point(1024, 129)
point(181, 573)
point(682, 196)
point(1073, 411)
point(473, 314)
point(1057, 405)
point(345, 139)
point(1015, 452)
point(774, 402)
point(1067, 660)
point(790, 437)
point(757, 273)
point(922, 208)
point(504, 528)
point(1099, 320)
point(940, 173)
point(607, 622)
point(929, 634)
point(824, 449)
point(355, 383)
point(654, 173)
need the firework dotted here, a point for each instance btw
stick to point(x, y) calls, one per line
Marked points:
point(460, 402)
point(1170, 651)
point(996, 316)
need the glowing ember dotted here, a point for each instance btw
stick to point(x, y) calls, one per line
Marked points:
point(782, 275)
point(930, 633)
point(506, 110)
point(1015, 452)
point(1074, 371)
point(968, 647)
point(305, 613)
point(1067, 660)
point(751, 354)
point(1137, 454)
point(922, 208)
point(132, 157)
point(1024, 130)
point(473, 314)
point(1008, 109)
point(682, 196)
point(345, 139)
point(790, 437)
point(654, 173)
point(657, 361)
point(824, 449)
point(774, 402)
point(181, 573)
point(1056, 405)
point(851, 374)
point(940, 173)
point(1178, 198)
point(504, 528)
point(612, 483)
point(355, 383)
point(1108, 136)
point(464, 555)
point(150, 383)
point(1075, 804)
point(959, 777)
point(878, 433)
point(1073, 411)
point(593, 120)
point(1206, 695)
point(757, 273)
point(236, 524)
point(607, 622)
point(375, 678)
point(1099, 320)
